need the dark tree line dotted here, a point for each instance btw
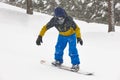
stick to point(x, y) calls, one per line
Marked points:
point(100, 11)
point(94, 3)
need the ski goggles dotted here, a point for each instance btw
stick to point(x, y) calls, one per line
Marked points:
point(60, 20)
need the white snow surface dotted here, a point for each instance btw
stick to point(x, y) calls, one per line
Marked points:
point(20, 56)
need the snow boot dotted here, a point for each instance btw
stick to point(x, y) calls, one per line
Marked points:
point(75, 68)
point(56, 63)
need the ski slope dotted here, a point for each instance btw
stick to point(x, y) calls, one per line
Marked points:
point(20, 56)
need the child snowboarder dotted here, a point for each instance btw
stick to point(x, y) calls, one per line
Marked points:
point(69, 32)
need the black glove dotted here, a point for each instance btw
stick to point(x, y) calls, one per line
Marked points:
point(79, 40)
point(39, 40)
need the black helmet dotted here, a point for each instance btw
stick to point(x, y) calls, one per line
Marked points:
point(59, 12)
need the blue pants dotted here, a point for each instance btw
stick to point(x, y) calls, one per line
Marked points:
point(60, 46)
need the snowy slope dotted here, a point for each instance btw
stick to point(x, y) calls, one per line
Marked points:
point(20, 56)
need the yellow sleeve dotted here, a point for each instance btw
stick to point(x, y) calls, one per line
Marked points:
point(77, 31)
point(43, 30)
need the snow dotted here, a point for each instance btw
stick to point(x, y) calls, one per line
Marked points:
point(57, 1)
point(20, 56)
point(117, 6)
point(90, 4)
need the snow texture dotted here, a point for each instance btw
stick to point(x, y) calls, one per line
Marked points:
point(20, 56)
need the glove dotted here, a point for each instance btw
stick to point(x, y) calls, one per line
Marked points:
point(39, 40)
point(79, 40)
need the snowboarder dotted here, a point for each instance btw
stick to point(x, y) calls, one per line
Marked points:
point(69, 32)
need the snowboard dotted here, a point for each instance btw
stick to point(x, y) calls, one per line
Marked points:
point(67, 68)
